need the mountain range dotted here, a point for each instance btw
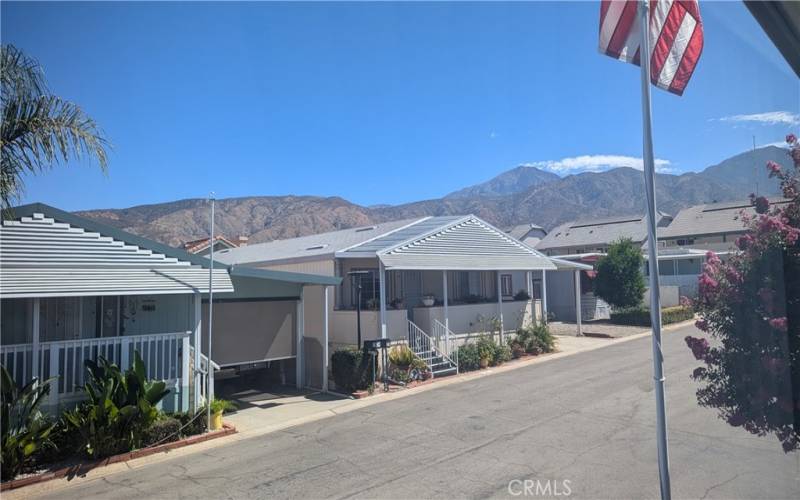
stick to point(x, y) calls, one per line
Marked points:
point(521, 195)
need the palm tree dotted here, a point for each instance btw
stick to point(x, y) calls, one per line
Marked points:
point(39, 130)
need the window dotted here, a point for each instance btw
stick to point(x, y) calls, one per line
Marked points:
point(368, 280)
point(506, 285)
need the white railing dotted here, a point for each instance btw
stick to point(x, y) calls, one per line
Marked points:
point(205, 393)
point(445, 340)
point(165, 356)
point(426, 347)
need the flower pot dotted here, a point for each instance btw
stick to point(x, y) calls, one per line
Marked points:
point(484, 363)
point(428, 301)
point(216, 421)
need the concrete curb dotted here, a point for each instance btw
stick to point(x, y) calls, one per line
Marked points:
point(83, 468)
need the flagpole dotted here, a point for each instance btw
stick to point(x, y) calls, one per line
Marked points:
point(209, 367)
point(652, 250)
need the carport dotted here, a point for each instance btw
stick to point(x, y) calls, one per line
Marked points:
point(261, 325)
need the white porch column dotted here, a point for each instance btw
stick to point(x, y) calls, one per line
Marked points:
point(531, 298)
point(325, 356)
point(446, 315)
point(301, 331)
point(578, 301)
point(198, 347)
point(35, 373)
point(544, 295)
point(500, 304)
point(383, 298)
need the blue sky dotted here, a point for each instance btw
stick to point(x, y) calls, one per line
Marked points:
point(377, 102)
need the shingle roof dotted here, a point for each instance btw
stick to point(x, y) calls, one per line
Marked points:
point(716, 218)
point(519, 232)
point(596, 232)
point(315, 245)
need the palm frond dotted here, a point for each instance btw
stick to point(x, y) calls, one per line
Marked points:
point(20, 74)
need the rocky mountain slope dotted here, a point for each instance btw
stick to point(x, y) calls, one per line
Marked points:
point(539, 197)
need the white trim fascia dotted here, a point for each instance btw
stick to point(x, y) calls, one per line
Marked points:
point(284, 260)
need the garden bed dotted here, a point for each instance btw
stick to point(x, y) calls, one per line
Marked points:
point(60, 470)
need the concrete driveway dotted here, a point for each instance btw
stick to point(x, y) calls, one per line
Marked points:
point(584, 421)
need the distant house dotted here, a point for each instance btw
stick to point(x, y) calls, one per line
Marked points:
point(201, 246)
point(595, 235)
point(530, 234)
point(709, 227)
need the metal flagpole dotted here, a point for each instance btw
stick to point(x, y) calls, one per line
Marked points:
point(210, 373)
point(652, 248)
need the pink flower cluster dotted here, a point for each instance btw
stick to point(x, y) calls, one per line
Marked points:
point(699, 347)
point(781, 324)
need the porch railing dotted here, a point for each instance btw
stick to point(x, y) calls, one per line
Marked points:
point(165, 357)
point(445, 341)
point(427, 348)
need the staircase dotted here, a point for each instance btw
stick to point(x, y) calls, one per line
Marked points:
point(434, 350)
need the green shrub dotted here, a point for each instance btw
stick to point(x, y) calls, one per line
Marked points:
point(121, 406)
point(501, 354)
point(191, 425)
point(640, 316)
point(164, 430)
point(222, 405)
point(486, 348)
point(535, 339)
point(468, 358)
point(619, 279)
point(401, 355)
point(25, 430)
point(517, 349)
point(351, 369)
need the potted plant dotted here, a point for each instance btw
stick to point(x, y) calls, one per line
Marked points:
point(397, 303)
point(218, 407)
point(428, 300)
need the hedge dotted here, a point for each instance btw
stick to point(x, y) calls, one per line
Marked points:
point(351, 369)
point(640, 316)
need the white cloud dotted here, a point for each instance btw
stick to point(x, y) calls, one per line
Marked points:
point(771, 118)
point(596, 163)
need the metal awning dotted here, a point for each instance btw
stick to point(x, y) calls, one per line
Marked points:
point(467, 244)
point(45, 256)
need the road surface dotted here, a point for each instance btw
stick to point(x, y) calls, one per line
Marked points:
point(582, 425)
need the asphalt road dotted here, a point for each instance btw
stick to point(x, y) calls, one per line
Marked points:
point(582, 425)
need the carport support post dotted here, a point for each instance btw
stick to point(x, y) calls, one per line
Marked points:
point(383, 298)
point(325, 356)
point(35, 348)
point(500, 304)
point(198, 342)
point(301, 331)
point(578, 301)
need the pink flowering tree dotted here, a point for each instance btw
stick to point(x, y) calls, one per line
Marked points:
point(749, 307)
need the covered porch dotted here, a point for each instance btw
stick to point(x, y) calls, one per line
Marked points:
point(73, 290)
point(464, 278)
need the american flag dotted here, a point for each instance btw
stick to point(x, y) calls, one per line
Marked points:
point(676, 38)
